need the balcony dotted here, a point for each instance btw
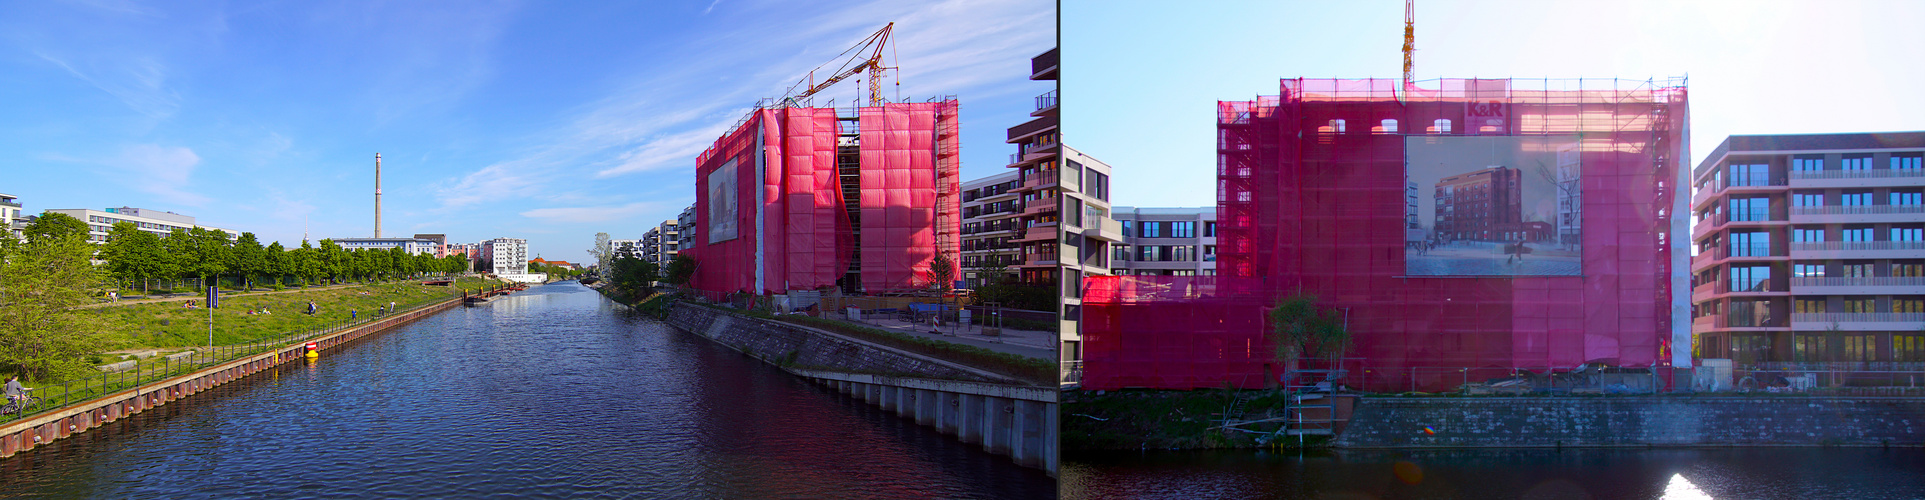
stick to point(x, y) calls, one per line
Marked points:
point(1865, 214)
point(1862, 285)
point(1857, 249)
point(1109, 230)
point(1736, 322)
point(1875, 321)
point(1030, 128)
point(1039, 206)
point(1042, 260)
point(1043, 66)
point(1045, 103)
point(1856, 178)
point(1040, 232)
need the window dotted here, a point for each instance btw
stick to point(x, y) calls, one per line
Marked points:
point(1908, 305)
point(1100, 188)
point(1128, 226)
point(1908, 270)
point(1750, 175)
point(1183, 253)
point(1337, 125)
point(1858, 304)
point(1807, 164)
point(1120, 252)
point(1908, 234)
point(1809, 306)
point(1856, 163)
point(1390, 126)
point(1756, 244)
point(1751, 279)
point(1807, 270)
point(1209, 253)
point(1808, 199)
point(1803, 235)
point(1075, 173)
point(1183, 229)
point(1905, 162)
point(1073, 211)
point(1152, 229)
point(1441, 126)
point(1808, 348)
point(1908, 348)
point(1857, 234)
point(1857, 199)
point(1209, 229)
point(1857, 270)
point(1910, 199)
point(1858, 348)
point(1750, 209)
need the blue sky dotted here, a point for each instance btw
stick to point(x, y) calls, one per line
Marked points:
point(1141, 79)
point(546, 121)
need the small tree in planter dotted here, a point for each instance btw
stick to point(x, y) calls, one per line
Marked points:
point(1304, 330)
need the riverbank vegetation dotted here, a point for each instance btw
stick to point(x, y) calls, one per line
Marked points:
point(138, 259)
point(1171, 420)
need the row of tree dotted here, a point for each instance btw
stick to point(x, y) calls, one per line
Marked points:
point(44, 278)
point(131, 255)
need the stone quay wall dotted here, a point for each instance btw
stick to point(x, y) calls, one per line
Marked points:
point(1637, 421)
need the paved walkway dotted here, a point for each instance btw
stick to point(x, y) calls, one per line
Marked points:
point(1029, 343)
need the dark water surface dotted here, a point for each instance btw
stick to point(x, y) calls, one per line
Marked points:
point(1733, 473)
point(550, 393)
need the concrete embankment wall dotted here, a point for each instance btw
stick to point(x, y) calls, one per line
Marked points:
point(775, 341)
point(26, 433)
point(973, 406)
point(1635, 421)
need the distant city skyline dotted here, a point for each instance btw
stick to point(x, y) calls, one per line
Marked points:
point(544, 122)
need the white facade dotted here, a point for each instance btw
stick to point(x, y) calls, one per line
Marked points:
point(12, 219)
point(507, 256)
point(685, 227)
point(410, 245)
point(619, 248)
point(660, 244)
point(101, 222)
point(1166, 241)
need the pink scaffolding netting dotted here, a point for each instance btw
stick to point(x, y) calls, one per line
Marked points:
point(800, 231)
point(1306, 206)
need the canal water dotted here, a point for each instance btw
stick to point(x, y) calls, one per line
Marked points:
point(1698, 473)
point(554, 392)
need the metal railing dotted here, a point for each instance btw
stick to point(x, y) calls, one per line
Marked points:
point(1856, 174)
point(1858, 210)
point(1858, 281)
point(1857, 245)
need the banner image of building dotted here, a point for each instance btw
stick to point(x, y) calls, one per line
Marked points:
point(1494, 207)
point(805, 199)
point(1317, 188)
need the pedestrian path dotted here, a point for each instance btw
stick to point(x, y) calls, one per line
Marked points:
point(1028, 343)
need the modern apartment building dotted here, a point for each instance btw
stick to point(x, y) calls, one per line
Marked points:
point(989, 230)
point(12, 219)
point(507, 256)
point(1038, 161)
point(471, 251)
point(629, 248)
point(1810, 248)
point(1089, 231)
point(440, 243)
point(685, 228)
point(1165, 241)
point(661, 243)
point(101, 222)
point(411, 245)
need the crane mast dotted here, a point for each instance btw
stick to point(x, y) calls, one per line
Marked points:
point(1410, 40)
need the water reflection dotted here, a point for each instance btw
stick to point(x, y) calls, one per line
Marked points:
point(1548, 473)
point(548, 393)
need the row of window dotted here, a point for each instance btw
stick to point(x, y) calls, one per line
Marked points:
point(991, 190)
point(150, 226)
point(1857, 234)
point(1162, 253)
point(1166, 229)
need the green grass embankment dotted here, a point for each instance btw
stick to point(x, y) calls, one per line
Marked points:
point(168, 325)
point(1168, 420)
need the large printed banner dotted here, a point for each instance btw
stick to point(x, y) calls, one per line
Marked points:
point(722, 203)
point(1493, 206)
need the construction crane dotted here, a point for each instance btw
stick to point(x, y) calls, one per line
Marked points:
point(1410, 40)
point(867, 55)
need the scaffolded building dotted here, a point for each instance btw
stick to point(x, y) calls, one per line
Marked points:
point(807, 199)
point(1315, 196)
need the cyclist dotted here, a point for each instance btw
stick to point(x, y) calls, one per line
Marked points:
point(14, 391)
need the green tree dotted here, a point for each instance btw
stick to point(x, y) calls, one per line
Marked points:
point(680, 269)
point(306, 263)
point(249, 259)
point(134, 254)
point(43, 282)
point(275, 263)
point(1305, 330)
point(52, 226)
point(333, 260)
point(207, 253)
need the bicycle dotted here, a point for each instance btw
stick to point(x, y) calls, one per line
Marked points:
point(20, 406)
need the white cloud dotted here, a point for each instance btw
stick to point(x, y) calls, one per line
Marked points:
point(158, 170)
point(139, 82)
point(588, 214)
